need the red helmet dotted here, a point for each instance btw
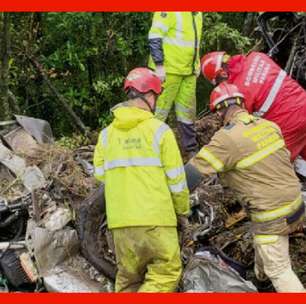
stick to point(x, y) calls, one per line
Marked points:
point(143, 80)
point(211, 65)
point(223, 92)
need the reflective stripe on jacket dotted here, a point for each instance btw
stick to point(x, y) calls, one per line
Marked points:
point(250, 155)
point(138, 159)
point(181, 35)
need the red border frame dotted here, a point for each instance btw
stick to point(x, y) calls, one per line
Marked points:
point(141, 298)
point(154, 5)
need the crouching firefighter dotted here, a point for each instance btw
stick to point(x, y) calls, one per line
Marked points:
point(250, 156)
point(138, 159)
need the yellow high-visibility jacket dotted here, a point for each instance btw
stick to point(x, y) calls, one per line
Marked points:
point(181, 35)
point(138, 159)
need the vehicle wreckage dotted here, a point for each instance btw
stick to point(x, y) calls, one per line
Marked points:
point(53, 231)
point(53, 228)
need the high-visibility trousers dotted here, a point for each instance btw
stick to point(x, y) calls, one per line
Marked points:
point(148, 259)
point(180, 92)
point(272, 261)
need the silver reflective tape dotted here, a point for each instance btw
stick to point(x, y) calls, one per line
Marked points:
point(273, 92)
point(158, 135)
point(104, 137)
point(132, 162)
point(179, 25)
point(178, 187)
point(178, 42)
point(161, 112)
point(173, 173)
point(181, 108)
point(99, 171)
point(155, 35)
point(185, 121)
point(159, 25)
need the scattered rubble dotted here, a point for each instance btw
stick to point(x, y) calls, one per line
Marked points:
point(53, 232)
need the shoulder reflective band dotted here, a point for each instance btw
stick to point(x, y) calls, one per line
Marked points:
point(211, 159)
point(179, 187)
point(175, 172)
point(260, 155)
point(132, 162)
point(158, 136)
point(273, 92)
point(270, 215)
point(104, 137)
point(263, 239)
point(159, 25)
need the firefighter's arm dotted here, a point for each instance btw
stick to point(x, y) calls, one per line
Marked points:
point(99, 160)
point(159, 29)
point(175, 173)
point(220, 155)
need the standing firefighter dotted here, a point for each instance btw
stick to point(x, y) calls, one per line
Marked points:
point(138, 159)
point(249, 154)
point(174, 41)
point(269, 92)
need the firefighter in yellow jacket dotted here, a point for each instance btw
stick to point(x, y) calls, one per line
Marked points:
point(138, 159)
point(174, 41)
point(250, 155)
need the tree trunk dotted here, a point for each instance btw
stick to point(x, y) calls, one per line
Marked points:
point(4, 57)
point(76, 119)
point(249, 24)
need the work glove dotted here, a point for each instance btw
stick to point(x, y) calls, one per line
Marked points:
point(160, 72)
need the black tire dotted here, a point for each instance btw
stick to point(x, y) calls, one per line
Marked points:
point(90, 217)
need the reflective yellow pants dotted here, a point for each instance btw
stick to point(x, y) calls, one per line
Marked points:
point(272, 260)
point(148, 259)
point(180, 91)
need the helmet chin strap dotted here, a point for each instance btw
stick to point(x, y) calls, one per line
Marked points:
point(152, 110)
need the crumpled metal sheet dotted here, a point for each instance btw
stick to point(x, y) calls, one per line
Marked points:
point(20, 141)
point(50, 248)
point(208, 273)
point(38, 128)
point(13, 162)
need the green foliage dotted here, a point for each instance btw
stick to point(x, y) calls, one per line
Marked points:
point(87, 56)
point(219, 35)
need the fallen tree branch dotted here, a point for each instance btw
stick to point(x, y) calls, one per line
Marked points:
point(76, 119)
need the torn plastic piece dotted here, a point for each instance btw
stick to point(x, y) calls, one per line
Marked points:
point(209, 273)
